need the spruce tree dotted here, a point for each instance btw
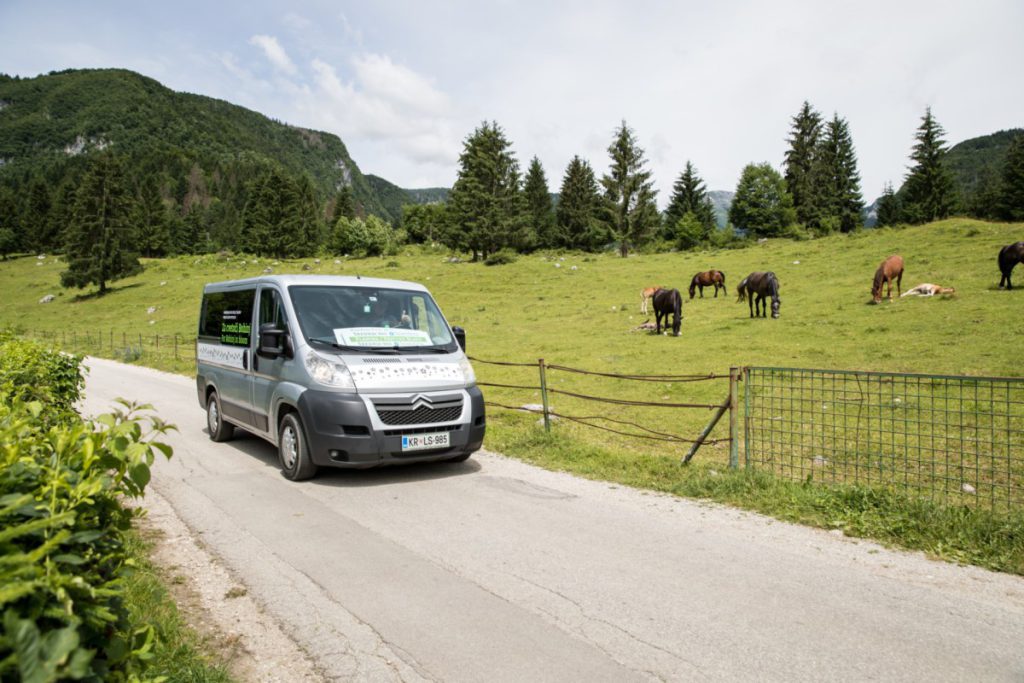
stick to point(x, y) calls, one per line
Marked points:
point(278, 219)
point(539, 206)
point(578, 224)
point(887, 213)
point(929, 187)
point(1011, 192)
point(35, 218)
point(8, 223)
point(150, 220)
point(690, 196)
point(62, 211)
point(100, 238)
point(841, 203)
point(762, 206)
point(486, 205)
point(800, 165)
point(344, 205)
point(631, 214)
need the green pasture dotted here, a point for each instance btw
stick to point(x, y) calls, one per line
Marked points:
point(579, 310)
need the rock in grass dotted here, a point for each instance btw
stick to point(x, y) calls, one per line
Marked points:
point(967, 488)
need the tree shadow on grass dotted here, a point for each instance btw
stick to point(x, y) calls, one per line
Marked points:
point(96, 295)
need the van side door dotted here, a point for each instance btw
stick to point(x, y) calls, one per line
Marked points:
point(224, 347)
point(267, 372)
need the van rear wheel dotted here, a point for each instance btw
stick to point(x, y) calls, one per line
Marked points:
point(218, 428)
point(292, 450)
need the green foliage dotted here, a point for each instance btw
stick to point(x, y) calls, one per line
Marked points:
point(930, 192)
point(486, 208)
point(977, 168)
point(889, 209)
point(9, 226)
point(30, 372)
point(358, 237)
point(801, 158)
point(344, 205)
point(281, 218)
point(840, 204)
point(425, 223)
point(1011, 191)
point(690, 196)
point(762, 206)
point(630, 212)
point(577, 218)
point(100, 240)
point(500, 258)
point(539, 205)
point(689, 232)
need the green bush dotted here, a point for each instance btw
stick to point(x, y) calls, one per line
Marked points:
point(501, 257)
point(62, 544)
point(31, 372)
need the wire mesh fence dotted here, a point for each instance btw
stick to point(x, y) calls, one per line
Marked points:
point(168, 351)
point(952, 440)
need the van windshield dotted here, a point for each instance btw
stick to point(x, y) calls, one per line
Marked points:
point(371, 319)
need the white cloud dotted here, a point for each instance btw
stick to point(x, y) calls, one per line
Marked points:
point(275, 53)
point(398, 84)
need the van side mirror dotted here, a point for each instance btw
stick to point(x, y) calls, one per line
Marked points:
point(273, 341)
point(460, 337)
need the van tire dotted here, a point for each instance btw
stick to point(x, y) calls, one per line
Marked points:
point(215, 424)
point(292, 449)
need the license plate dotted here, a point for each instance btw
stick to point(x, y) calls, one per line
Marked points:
point(419, 442)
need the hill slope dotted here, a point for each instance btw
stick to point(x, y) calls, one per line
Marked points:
point(48, 121)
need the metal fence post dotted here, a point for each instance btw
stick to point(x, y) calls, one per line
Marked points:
point(544, 393)
point(734, 441)
point(746, 417)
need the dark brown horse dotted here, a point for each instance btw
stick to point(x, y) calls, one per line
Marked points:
point(763, 285)
point(668, 302)
point(1009, 256)
point(706, 279)
point(889, 270)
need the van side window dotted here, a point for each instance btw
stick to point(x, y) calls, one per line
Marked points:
point(227, 316)
point(271, 310)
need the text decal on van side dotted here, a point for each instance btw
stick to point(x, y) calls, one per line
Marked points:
point(221, 355)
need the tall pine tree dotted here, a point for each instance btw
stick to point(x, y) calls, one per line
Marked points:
point(888, 210)
point(929, 188)
point(8, 223)
point(578, 224)
point(486, 205)
point(1011, 192)
point(838, 181)
point(690, 196)
point(538, 203)
point(800, 165)
point(631, 214)
point(150, 220)
point(100, 238)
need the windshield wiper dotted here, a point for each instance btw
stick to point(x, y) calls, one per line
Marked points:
point(355, 349)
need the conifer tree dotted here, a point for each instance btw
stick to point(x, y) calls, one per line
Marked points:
point(762, 205)
point(690, 196)
point(888, 209)
point(344, 205)
point(486, 205)
point(631, 214)
point(35, 218)
point(150, 219)
point(61, 212)
point(841, 203)
point(277, 219)
point(930, 189)
point(538, 203)
point(578, 224)
point(1011, 192)
point(8, 223)
point(800, 166)
point(100, 238)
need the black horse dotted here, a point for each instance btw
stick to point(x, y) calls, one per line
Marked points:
point(1009, 256)
point(666, 302)
point(763, 285)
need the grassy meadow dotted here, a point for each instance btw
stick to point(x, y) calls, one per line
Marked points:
point(579, 310)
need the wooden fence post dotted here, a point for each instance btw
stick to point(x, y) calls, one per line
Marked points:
point(544, 394)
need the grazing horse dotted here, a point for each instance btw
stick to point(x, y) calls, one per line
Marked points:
point(889, 270)
point(645, 295)
point(706, 279)
point(1009, 256)
point(763, 285)
point(667, 301)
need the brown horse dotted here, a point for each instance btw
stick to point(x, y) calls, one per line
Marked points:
point(1009, 256)
point(645, 296)
point(706, 279)
point(890, 269)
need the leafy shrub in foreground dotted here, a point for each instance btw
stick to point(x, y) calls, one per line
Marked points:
point(62, 554)
point(31, 372)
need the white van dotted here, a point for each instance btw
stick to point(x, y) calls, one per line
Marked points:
point(336, 371)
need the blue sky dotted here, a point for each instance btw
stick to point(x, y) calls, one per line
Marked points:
point(404, 83)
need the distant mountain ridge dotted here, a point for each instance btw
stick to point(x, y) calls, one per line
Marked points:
point(394, 197)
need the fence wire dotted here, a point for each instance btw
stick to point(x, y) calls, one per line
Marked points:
point(952, 440)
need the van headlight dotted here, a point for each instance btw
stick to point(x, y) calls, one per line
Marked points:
point(468, 376)
point(329, 371)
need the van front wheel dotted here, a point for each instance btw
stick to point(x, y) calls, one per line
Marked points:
point(218, 428)
point(292, 450)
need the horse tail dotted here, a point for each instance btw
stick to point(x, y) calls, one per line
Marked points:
point(723, 282)
point(677, 305)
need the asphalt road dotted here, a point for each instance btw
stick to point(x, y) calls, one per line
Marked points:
point(493, 570)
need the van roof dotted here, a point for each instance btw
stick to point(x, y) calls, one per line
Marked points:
point(321, 280)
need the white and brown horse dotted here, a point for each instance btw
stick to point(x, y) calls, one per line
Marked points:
point(645, 296)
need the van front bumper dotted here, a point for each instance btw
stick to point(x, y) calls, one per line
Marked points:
point(340, 433)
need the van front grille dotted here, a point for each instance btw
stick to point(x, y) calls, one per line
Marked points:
point(419, 415)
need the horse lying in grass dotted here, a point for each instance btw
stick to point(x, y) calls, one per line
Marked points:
point(645, 295)
point(706, 279)
point(763, 285)
point(928, 289)
point(890, 269)
point(668, 302)
point(1010, 256)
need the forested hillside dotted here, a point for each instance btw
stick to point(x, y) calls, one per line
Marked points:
point(198, 154)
